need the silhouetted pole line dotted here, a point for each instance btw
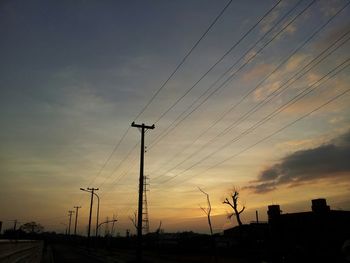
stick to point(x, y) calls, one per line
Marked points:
point(92, 191)
point(142, 128)
point(70, 212)
point(76, 219)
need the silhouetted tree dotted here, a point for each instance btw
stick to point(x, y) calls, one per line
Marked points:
point(134, 219)
point(234, 205)
point(207, 210)
point(32, 227)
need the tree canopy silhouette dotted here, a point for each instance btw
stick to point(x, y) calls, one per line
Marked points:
point(32, 227)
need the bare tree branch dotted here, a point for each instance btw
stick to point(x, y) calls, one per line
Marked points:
point(134, 220)
point(234, 205)
point(207, 211)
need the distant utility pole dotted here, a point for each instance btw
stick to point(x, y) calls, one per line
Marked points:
point(70, 212)
point(142, 128)
point(76, 219)
point(90, 190)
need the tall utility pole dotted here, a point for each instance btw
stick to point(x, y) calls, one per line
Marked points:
point(70, 212)
point(76, 219)
point(142, 128)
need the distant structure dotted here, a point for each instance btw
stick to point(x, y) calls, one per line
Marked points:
point(145, 220)
point(315, 235)
point(318, 235)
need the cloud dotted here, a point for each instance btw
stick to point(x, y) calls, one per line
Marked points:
point(327, 161)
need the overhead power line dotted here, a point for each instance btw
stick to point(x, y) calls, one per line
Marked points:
point(161, 87)
point(299, 96)
point(293, 78)
point(184, 59)
point(283, 128)
point(272, 134)
point(120, 163)
point(110, 156)
point(169, 129)
point(218, 61)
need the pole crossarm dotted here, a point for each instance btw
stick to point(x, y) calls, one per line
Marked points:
point(142, 126)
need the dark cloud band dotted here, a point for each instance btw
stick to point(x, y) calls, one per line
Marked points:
point(326, 161)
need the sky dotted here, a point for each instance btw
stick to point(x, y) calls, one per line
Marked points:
point(254, 96)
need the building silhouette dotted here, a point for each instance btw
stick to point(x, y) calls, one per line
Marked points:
point(314, 236)
point(319, 235)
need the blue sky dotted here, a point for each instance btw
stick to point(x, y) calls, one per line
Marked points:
point(74, 75)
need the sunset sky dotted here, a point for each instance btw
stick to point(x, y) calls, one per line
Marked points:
point(261, 103)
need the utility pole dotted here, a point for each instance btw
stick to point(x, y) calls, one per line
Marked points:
point(142, 128)
point(90, 190)
point(76, 219)
point(70, 212)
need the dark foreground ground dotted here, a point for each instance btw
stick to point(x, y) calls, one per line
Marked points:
point(62, 253)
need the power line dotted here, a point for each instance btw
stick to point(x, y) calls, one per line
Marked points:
point(247, 114)
point(120, 163)
point(273, 134)
point(184, 59)
point(167, 131)
point(266, 119)
point(286, 126)
point(121, 176)
point(161, 87)
point(161, 136)
point(296, 98)
point(110, 156)
point(218, 61)
point(284, 86)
